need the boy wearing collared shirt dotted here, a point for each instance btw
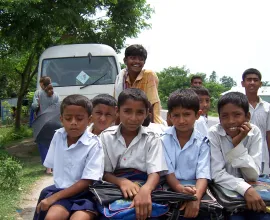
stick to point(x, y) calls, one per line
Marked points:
point(130, 145)
point(236, 147)
point(259, 110)
point(187, 152)
point(77, 159)
point(103, 114)
point(134, 76)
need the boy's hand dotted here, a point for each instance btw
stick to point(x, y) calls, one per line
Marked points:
point(186, 189)
point(254, 200)
point(142, 203)
point(191, 209)
point(244, 129)
point(128, 188)
point(45, 204)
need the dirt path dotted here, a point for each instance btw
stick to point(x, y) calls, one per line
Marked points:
point(29, 201)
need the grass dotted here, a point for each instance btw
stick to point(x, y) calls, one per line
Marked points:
point(32, 170)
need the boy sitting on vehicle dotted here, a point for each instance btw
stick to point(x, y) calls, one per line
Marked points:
point(77, 159)
point(186, 150)
point(103, 114)
point(130, 145)
point(236, 153)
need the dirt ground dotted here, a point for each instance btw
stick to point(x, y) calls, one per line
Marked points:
point(29, 200)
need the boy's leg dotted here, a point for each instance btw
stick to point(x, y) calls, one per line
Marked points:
point(82, 215)
point(57, 212)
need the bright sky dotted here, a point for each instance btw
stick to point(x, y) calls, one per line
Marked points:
point(226, 36)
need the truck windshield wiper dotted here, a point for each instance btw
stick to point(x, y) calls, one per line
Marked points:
point(94, 81)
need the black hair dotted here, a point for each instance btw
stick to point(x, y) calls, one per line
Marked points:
point(104, 99)
point(185, 98)
point(134, 94)
point(200, 90)
point(195, 77)
point(136, 50)
point(235, 98)
point(251, 71)
point(149, 117)
point(78, 100)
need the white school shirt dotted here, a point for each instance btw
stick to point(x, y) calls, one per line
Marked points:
point(144, 153)
point(201, 125)
point(260, 116)
point(190, 162)
point(232, 166)
point(157, 128)
point(82, 160)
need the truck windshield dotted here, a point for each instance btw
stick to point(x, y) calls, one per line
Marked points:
point(80, 71)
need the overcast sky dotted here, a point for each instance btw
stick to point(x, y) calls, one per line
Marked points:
point(210, 35)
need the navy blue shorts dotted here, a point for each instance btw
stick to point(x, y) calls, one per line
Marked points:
point(82, 201)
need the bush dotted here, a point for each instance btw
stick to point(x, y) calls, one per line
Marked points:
point(9, 135)
point(10, 170)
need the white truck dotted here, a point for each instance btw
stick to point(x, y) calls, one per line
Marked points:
point(86, 69)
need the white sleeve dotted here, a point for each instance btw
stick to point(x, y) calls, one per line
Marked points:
point(94, 164)
point(218, 169)
point(49, 160)
point(108, 167)
point(248, 159)
point(155, 158)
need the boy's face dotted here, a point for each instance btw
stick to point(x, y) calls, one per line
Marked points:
point(252, 83)
point(132, 114)
point(75, 120)
point(196, 82)
point(183, 119)
point(231, 118)
point(103, 116)
point(134, 63)
point(204, 104)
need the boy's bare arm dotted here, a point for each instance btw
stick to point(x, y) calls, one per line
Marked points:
point(75, 189)
point(143, 200)
point(177, 186)
point(192, 208)
point(128, 188)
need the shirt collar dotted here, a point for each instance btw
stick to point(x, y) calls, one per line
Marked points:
point(139, 77)
point(172, 131)
point(84, 139)
point(117, 131)
point(222, 132)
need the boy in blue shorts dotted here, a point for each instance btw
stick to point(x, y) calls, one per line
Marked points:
point(236, 153)
point(77, 159)
point(130, 145)
point(186, 150)
point(103, 114)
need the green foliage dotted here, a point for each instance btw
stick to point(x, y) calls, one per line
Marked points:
point(10, 134)
point(170, 79)
point(10, 169)
point(227, 82)
point(173, 78)
point(213, 77)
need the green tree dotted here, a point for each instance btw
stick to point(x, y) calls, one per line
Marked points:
point(227, 82)
point(213, 77)
point(27, 27)
point(265, 83)
point(170, 79)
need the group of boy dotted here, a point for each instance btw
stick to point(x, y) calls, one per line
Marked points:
point(80, 154)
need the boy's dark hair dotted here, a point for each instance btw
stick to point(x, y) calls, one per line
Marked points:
point(104, 99)
point(42, 79)
point(235, 98)
point(134, 94)
point(200, 90)
point(78, 100)
point(251, 71)
point(195, 77)
point(185, 98)
point(136, 50)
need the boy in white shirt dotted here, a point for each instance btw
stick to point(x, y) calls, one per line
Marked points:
point(130, 145)
point(236, 148)
point(77, 159)
point(103, 114)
